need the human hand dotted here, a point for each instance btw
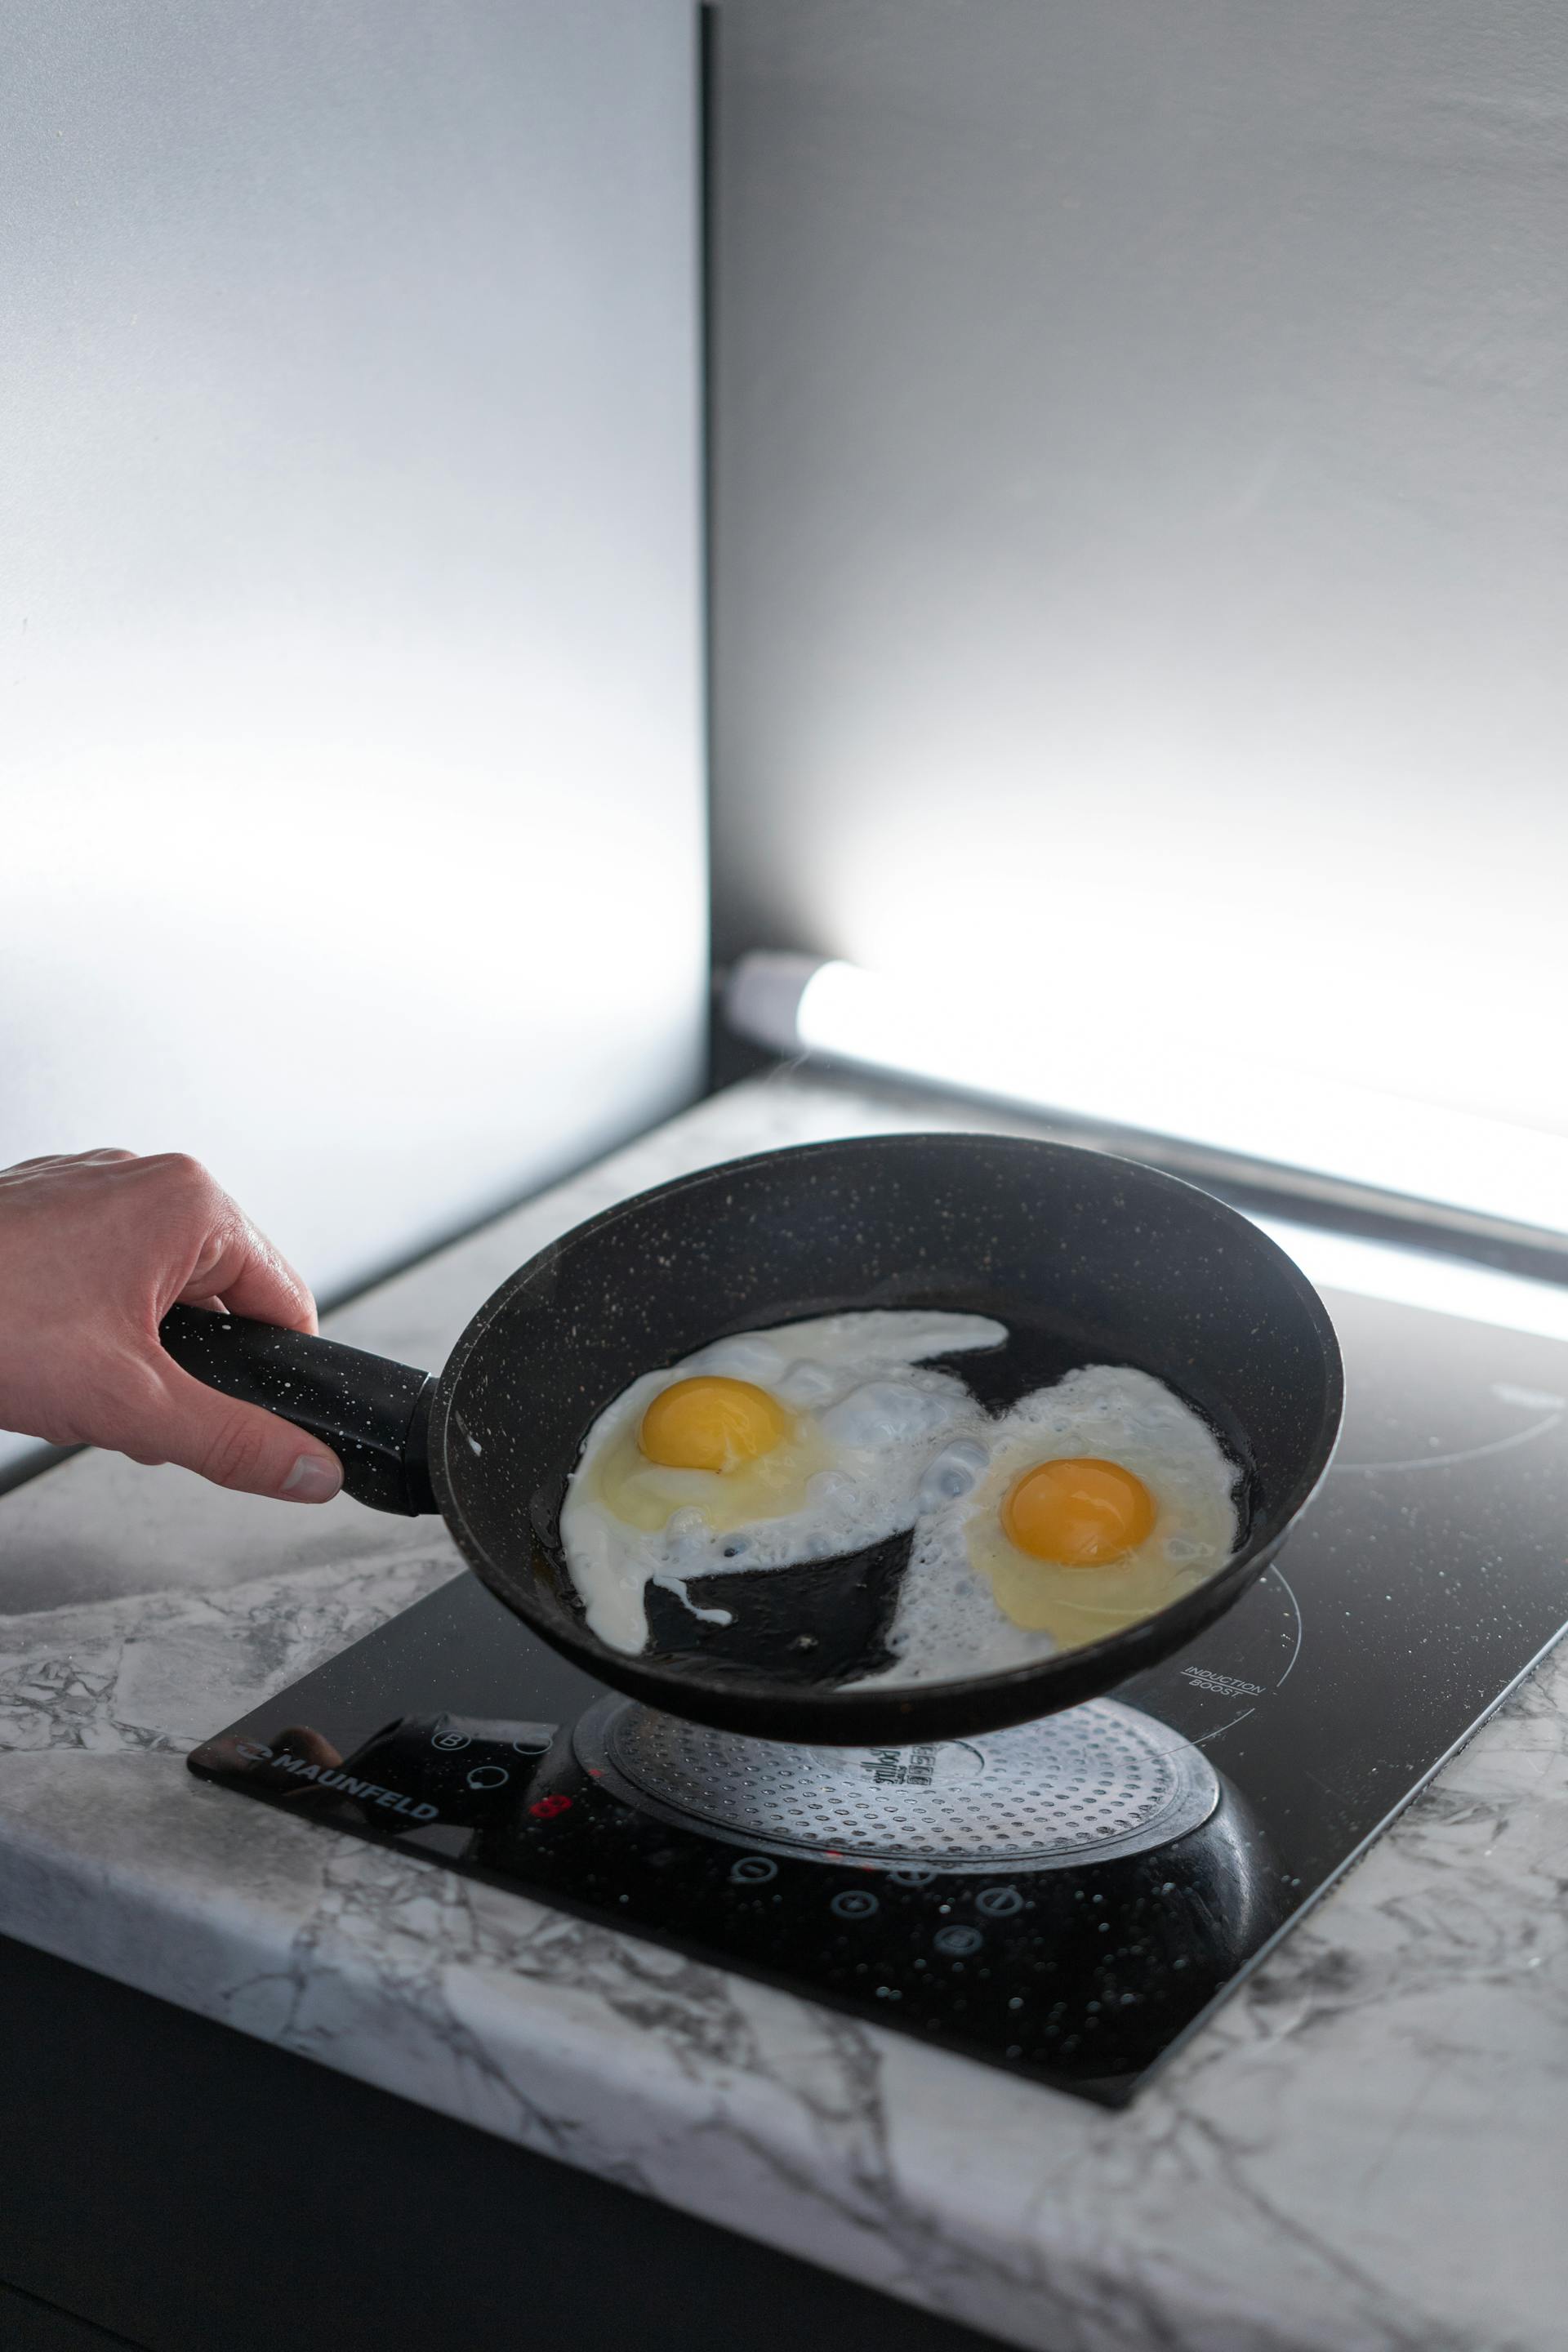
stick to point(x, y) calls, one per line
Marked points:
point(94, 1251)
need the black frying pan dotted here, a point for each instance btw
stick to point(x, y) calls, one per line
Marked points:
point(1086, 1259)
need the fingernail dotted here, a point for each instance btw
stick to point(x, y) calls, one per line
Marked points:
point(315, 1479)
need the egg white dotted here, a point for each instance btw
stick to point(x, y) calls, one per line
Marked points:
point(971, 1602)
point(870, 1416)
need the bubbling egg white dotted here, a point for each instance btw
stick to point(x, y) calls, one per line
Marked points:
point(973, 1602)
point(864, 1421)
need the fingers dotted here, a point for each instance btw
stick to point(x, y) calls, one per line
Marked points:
point(235, 1445)
point(222, 1255)
point(61, 1161)
point(95, 1248)
point(241, 1268)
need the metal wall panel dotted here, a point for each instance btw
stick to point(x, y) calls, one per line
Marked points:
point(1141, 519)
point(351, 825)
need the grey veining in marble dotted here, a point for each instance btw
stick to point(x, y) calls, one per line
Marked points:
point(1363, 2151)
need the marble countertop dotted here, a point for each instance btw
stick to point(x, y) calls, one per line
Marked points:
point(1365, 2149)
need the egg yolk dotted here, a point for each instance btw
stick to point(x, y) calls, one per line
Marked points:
point(711, 1424)
point(1079, 1513)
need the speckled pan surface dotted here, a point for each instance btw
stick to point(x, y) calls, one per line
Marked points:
point(1100, 1260)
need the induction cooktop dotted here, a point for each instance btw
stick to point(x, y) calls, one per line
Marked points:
point(1067, 1899)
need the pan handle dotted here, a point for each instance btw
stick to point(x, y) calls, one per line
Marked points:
point(372, 1412)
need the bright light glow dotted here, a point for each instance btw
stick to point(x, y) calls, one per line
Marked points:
point(1416, 1279)
point(1092, 1068)
point(376, 974)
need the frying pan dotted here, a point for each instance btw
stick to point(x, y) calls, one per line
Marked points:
point(1086, 1259)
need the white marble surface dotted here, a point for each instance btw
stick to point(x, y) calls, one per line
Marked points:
point(1367, 2149)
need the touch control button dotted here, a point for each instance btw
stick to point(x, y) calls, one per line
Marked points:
point(911, 1874)
point(489, 1776)
point(754, 1870)
point(999, 1902)
point(449, 1740)
point(855, 1903)
point(957, 1941)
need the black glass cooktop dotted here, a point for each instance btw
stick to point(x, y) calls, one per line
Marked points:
point(1065, 1899)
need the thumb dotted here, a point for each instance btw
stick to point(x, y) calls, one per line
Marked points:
point(234, 1444)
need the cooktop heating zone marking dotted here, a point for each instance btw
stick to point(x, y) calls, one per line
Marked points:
point(1100, 1780)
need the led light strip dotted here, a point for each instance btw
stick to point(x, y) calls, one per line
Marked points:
point(1418, 1158)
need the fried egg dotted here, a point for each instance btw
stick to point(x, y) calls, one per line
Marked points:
point(801, 1443)
point(1083, 1508)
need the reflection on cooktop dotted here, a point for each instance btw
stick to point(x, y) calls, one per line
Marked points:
point(1064, 1898)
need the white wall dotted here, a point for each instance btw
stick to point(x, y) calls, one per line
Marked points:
point(1141, 497)
point(350, 819)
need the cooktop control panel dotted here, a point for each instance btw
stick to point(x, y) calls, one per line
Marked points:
point(1066, 1898)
